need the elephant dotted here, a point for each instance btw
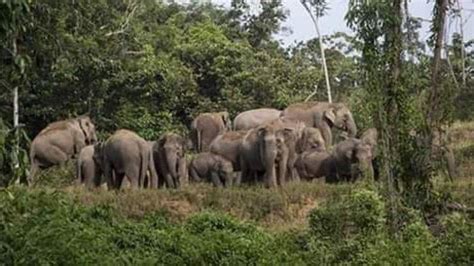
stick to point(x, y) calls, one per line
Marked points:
point(206, 127)
point(88, 171)
point(169, 152)
point(227, 145)
point(211, 167)
point(337, 165)
point(324, 116)
point(125, 155)
point(264, 150)
point(255, 118)
point(59, 142)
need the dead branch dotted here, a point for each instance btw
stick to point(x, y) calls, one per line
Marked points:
point(132, 7)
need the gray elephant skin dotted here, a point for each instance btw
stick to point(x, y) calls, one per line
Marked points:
point(59, 142)
point(125, 155)
point(324, 116)
point(255, 118)
point(264, 152)
point(211, 168)
point(170, 160)
point(297, 139)
point(338, 164)
point(88, 170)
point(206, 127)
point(227, 145)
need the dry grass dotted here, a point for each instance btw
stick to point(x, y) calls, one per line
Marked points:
point(278, 209)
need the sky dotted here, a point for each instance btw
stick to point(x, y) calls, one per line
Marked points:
point(300, 23)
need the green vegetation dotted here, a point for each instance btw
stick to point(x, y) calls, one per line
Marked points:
point(151, 66)
point(51, 227)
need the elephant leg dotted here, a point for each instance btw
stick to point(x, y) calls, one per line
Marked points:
point(216, 179)
point(169, 180)
point(119, 178)
point(238, 178)
point(109, 176)
point(183, 172)
point(270, 177)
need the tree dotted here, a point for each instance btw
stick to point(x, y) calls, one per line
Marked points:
point(319, 6)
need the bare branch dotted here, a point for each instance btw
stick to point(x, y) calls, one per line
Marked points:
point(312, 94)
point(321, 46)
point(132, 7)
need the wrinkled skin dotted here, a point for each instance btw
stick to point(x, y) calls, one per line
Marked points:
point(126, 156)
point(255, 118)
point(324, 116)
point(59, 142)
point(263, 151)
point(88, 172)
point(206, 127)
point(211, 168)
point(170, 163)
point(227, 145)
point(338, 165)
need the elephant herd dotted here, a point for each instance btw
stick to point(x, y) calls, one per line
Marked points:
point(264, 145)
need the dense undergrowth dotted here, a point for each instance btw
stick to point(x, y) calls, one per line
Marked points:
point(51, 227)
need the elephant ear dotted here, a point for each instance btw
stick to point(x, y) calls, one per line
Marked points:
point(330, 115)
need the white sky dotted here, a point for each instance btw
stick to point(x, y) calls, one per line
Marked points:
point(333, 21)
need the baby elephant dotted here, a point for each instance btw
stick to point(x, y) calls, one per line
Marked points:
point(88, 171)
point(211, 167)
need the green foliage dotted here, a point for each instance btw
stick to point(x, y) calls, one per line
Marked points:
point(354, 231)
point(457, 242)
point(13, 166)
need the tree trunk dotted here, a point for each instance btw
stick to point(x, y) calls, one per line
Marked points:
point(321, 47)
point(16, 163)
point(439, 21)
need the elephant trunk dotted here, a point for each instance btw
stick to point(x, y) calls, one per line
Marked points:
point(351, 127)
point(172, 163)
point(366, 169)
point(268, 160)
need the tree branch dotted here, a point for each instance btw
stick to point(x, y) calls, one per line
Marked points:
point(124, 25)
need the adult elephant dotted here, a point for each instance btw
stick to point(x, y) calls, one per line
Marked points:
point(88, 170)
point(169, 152)
point(206, 127)
point(125, 155)
point(255, 118)
point(212, 168)
point(324, 116)
point(337, 165)
point(59, 142)
point(227, 145)
point(264, 151)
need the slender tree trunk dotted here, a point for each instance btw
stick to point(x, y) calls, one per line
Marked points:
point(439, 24)
point(390, 134)
point(461, 31)
point(321, 47)
point(16, 164)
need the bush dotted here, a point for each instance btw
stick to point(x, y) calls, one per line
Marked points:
point(457, 242)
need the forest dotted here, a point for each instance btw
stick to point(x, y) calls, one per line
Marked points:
point(153, 67)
